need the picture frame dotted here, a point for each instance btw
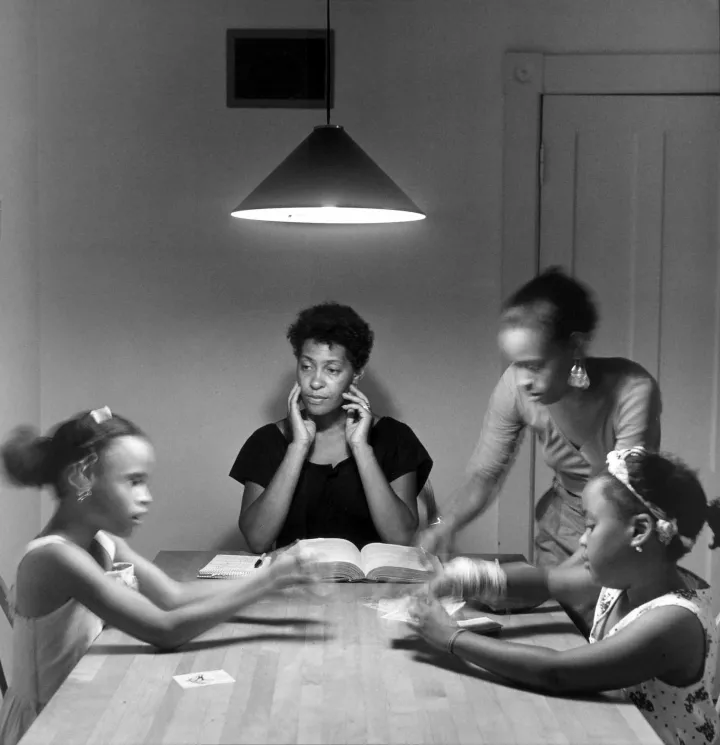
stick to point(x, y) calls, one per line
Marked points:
point(278, 68)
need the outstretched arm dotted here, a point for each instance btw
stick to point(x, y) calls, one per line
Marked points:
point(657, 644)
point(161, 589)
point(136, 614)
point(516, 583)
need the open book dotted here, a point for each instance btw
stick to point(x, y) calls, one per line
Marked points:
point(341, 561)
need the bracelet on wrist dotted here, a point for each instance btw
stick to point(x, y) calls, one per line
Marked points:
point(452, 639)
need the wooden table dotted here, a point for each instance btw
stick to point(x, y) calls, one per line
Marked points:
point(311, 670)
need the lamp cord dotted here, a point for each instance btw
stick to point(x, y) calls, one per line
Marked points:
point(327, 62)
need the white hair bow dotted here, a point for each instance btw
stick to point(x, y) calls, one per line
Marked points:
point(101, 415)
point(665, 527)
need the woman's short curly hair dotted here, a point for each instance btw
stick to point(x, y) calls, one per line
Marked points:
point(331, 323)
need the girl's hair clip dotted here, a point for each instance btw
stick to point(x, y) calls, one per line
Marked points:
point(101, 415)
point(665, 527)
point(617, 467)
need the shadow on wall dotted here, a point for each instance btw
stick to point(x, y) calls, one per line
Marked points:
point(275, 408)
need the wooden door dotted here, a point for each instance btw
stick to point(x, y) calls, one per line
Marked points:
point(629, 204)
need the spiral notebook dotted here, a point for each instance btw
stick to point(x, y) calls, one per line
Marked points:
point(228, 566)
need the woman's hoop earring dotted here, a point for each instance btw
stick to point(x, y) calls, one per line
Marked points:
point(84, 494)
point(578, 376)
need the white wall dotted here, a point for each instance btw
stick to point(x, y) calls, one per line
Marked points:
point(19, 347)
point(156, 302)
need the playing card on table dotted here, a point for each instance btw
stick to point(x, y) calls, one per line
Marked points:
point(208, 678)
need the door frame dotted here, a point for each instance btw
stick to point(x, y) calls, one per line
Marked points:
point(527, 78)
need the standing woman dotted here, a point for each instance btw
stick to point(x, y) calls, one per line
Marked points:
point(580, 407)
point(331, 469)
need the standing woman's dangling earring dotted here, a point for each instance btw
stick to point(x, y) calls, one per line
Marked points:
point(578, 375)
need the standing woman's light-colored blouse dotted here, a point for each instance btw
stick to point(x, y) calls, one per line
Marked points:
point(620, 409)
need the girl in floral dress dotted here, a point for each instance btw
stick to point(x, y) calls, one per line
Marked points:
point(653, 633)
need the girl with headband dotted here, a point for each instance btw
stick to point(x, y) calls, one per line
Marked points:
point(653, 633)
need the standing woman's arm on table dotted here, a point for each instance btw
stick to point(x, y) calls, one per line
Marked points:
point(264, 510)
point(501, 435)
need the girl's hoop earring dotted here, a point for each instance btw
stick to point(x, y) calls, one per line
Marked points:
point(84, 494)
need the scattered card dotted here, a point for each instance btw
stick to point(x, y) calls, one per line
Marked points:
point(208, 678)
point(481, 625)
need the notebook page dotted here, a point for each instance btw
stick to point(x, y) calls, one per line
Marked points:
point(228, 566)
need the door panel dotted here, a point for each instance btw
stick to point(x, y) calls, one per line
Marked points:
point(629, 204)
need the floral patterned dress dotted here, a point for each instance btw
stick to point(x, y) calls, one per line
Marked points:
point(680, 715)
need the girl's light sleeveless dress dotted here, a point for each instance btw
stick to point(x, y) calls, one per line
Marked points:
point(45, 651)
point(681, 715)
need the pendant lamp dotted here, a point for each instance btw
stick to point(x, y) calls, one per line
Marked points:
point(328, 178)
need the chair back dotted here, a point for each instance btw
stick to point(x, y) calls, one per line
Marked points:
point(427, 507)
point(7, 610)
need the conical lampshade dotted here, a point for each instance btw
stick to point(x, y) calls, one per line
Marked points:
point(328, 178)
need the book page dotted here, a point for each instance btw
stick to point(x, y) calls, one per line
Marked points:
point(376, 555)
point(334, 550)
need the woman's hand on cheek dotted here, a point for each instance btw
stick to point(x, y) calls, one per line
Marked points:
point(303, 430)
point(430, 621)
point(359, 417)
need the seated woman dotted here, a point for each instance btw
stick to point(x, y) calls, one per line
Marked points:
point(331, 469)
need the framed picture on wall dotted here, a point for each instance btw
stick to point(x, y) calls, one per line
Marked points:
point(273, 68)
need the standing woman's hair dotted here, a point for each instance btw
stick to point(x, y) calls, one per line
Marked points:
point(670, 490)
point(332, 323)
point(33, 460)
point(554, 302)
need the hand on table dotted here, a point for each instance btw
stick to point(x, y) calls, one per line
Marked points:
point(303, 430)
point(431, 621)
point(359, 417)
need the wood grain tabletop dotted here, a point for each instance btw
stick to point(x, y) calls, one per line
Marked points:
point(327, 669)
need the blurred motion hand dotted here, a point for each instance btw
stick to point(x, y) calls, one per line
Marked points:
point(437, 539)
point(296, 565)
